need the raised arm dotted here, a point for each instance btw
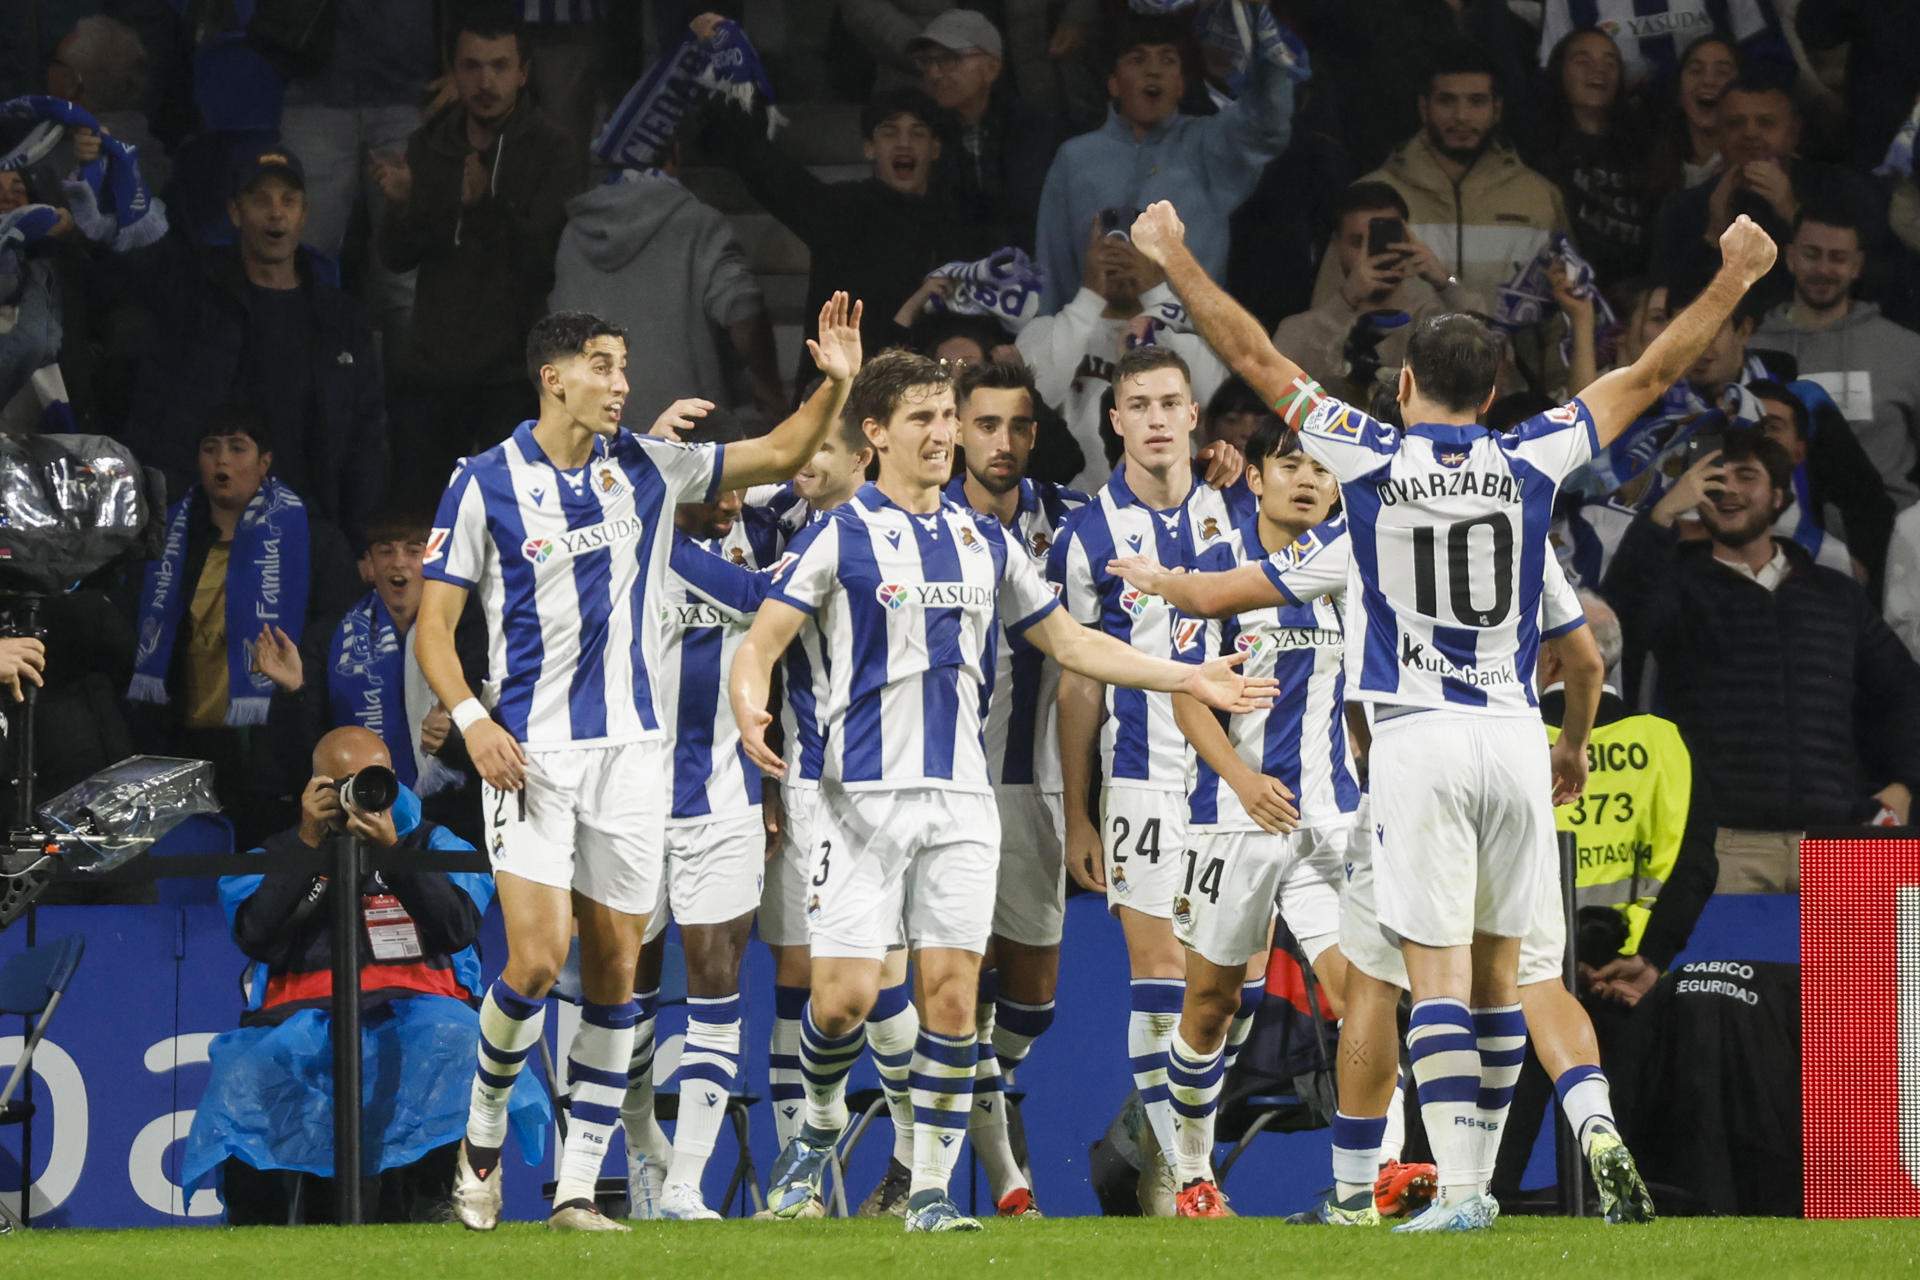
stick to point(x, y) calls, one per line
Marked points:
point(1229, 328)
point(501, 761)
point(1099, 656)
point(775, 456)
point(1617, 399)
point(1220, 594)
point(749, 681)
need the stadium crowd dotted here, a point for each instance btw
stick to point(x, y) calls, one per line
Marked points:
point(291, 254)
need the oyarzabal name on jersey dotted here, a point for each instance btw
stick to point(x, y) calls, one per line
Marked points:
point(934, 595)
point(1450, 484)
point(577, 542)
point(1416, 654)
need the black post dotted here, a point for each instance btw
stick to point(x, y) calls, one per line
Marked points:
point(1572, 1165)
point(347, 869)
point(23, 820)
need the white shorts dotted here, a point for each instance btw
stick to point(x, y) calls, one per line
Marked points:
point(783, 895)
point(1145, 834)
point(589, 819)
point(1232, 881)
point(917, 857)
point(713, 872)
point(1463, 825)
point(1369, 949)
point(1030, 903)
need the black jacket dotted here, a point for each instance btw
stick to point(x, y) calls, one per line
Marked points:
point(997, 192)
point(1798, 703)
point(198, 361)
point(863, 236)
point(1677, 909)
point(485, 271)
point(287, 924)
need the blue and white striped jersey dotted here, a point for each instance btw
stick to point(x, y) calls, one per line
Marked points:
point(1302, 738)
point(1140, 745)
point(805, 667)
point(713, 591)
point(1023, 747)
point(569, 566)
point(1449, 530)
point(1652, 34)
point(910, 607)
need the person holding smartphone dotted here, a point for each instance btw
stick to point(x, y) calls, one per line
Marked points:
point(1388, 278)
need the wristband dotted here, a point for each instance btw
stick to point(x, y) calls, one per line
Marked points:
point(468, 714)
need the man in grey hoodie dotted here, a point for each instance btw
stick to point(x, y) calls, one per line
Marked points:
point(1866, 362)
point(644, 252)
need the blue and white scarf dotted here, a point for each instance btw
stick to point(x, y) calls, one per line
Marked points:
point(1244, 32)
point(367, 686)
point(115, 209)
point(266, 586)
point(1527, 299)
point(1676, 417)
point(1899, 159)
point(727, 66)
point(1005, 285)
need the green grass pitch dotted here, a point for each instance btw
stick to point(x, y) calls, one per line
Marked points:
point(1118, 1249)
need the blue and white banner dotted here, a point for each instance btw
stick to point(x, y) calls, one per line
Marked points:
point(1005, 285)
point(726, 66)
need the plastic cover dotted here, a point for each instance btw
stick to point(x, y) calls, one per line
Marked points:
point(119, 812)
point(68, 505)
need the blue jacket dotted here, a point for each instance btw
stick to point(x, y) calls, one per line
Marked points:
point(1206, 165)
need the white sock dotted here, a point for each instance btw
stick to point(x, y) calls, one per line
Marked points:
point(987, 1122)
point(597, 1075)
point(1193, 1088)
point(1395, 1137)
point(1500, 1033)
point(1587, 1102)
point(824, 1063)
point(1446, 1066)
point(892, 1026)
point(510, 1025)
point(637, 1118)
point(709, 1065)
point(942, 1088)
point(1150, 1024)
point(1356, 1154)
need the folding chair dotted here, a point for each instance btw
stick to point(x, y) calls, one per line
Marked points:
point(866, 1106)
point(31, 985)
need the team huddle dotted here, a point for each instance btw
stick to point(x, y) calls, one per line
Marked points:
point(734, 679)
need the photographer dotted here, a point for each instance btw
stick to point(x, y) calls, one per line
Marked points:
point(269, 1104)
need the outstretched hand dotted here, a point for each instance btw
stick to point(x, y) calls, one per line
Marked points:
point(680, 417)
point(1221, 687)
point(1158, 231)
point(1141, 573)
point(837, 352)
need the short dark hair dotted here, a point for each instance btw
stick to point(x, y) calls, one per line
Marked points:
point(395, 524)
point(1369, 195)
point(1831, 213)
point(1146, 359)
point(1455, 360)
point(1271, 439)
point(1461, 58)
point(882, 383)
point(888, 103)
point(561, 334)
point(930, 329)
point(1769, 389)
point(1759, 77)
point(239, 418)
point(1133, 30)
point(1234, 396)
point(491, 20)
point(1749, 445)
point(995, 375)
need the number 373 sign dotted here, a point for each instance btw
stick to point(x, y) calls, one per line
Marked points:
point(1860, 1026)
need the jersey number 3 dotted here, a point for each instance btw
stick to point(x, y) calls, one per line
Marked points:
point(1461, 561)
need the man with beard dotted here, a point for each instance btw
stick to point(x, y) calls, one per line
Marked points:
point(1483, 212)
point(1866, 362)
point(1798, 702)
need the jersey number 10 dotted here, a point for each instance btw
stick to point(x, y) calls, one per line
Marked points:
point(1460, 566)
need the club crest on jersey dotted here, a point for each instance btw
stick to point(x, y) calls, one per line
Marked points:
point(436, 545)
point(970, 542)
point(1039, 544)
point(608, 480)
point(537, 550)
point(737, 555)
point(1185, 632)
point(1209, 529)
point(892, 595)
point(1182, 913)
point(1135, 602)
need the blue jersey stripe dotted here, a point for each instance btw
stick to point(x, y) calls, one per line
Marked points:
point(700, 652)
point(1380, 667)
point(1023, 717)
point(797, 675)
point(1132, 752)
point(1459, 646)
point(592, 583)
point(1280, 752)
point(862, 741)
point(940, 688)
point(525, 651)
point(649, 494)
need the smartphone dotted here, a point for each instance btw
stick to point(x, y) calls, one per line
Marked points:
point(1383, 234)
point(1117, 222)
point(1710, 439)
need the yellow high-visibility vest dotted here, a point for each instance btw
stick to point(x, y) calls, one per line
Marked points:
point(1630, 820)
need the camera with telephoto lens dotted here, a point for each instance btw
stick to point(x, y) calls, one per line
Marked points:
point(372, 790)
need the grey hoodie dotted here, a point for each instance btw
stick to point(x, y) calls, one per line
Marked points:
point(1871, 368)
point(644, 253)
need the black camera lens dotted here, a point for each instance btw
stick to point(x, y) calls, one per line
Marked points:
point(372, 790)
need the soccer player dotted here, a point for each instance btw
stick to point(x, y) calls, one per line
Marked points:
point(715, 849)
point(1245, 850)
point(1444, 648)
point(563, 529)
point(996, 404)
point(907, 587)
point(1369, 1181)
point(1152, 505)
